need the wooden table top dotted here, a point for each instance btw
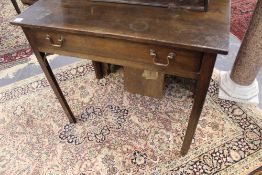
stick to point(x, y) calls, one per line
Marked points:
point(202, 31)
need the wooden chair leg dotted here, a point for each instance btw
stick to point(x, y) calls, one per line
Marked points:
point(199, 99)
point(16, 6)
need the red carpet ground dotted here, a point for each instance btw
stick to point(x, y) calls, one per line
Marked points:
point(242, 11)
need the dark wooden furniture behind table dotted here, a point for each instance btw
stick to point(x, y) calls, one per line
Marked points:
point(171, 41)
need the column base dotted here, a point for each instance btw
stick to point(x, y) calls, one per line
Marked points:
point(229, 90)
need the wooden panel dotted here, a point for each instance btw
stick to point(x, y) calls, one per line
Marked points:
point(144, 82)
point(185, 61)
point(205, 32)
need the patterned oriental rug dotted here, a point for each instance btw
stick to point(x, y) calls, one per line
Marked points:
point(121, 133)
point(14, 48)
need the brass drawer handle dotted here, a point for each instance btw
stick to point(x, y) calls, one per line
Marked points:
point(60, 41)
point(170, 56)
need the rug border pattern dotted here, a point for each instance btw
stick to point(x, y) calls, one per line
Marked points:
point(213, 161)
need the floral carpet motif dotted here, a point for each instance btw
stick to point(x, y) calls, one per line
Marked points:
point(14, 48)
point(121, 133)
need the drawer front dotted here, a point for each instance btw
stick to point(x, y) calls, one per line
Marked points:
point(155, 57)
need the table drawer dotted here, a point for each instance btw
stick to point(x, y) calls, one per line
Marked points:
point(169, 60)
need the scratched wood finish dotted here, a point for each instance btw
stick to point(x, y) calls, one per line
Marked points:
point(200, 31)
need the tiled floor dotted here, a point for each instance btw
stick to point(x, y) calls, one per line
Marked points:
point(223, 63)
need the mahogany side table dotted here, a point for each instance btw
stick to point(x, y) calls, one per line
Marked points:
point(170, 41)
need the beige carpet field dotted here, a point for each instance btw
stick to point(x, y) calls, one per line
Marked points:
point(121, 133)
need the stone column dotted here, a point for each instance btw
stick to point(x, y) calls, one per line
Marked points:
point(241, 85)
